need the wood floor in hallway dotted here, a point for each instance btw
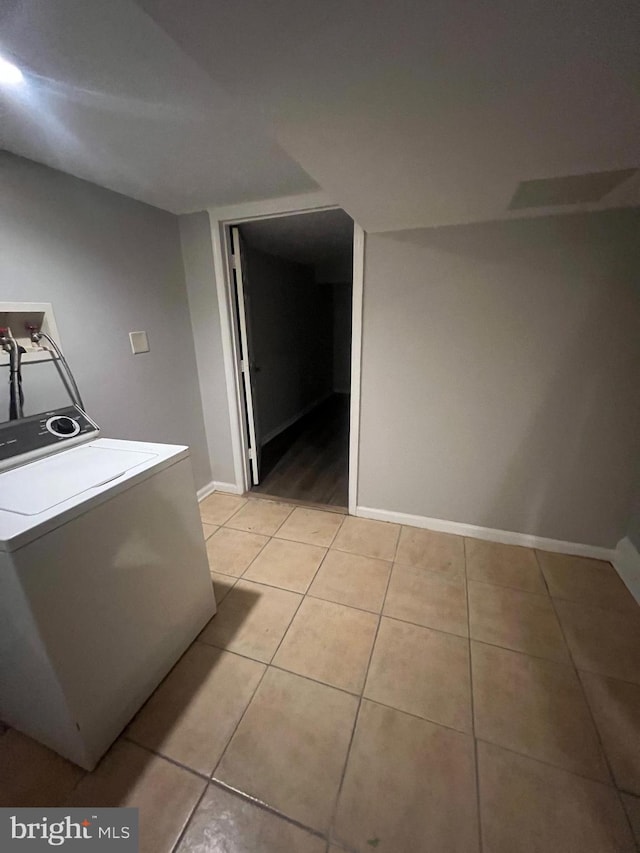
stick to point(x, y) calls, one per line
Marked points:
point(310, 460)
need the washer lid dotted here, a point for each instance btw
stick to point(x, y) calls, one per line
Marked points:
point(40, 485)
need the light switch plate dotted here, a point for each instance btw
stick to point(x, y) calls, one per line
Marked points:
point(139, 342)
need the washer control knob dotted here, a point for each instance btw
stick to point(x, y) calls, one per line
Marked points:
point(63, 426)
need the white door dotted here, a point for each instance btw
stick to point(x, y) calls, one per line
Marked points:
point(241, 297)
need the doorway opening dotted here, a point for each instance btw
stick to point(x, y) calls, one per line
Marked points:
point(292, 280)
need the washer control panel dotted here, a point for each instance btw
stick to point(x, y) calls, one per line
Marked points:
point(63, 425)
point(39, 434)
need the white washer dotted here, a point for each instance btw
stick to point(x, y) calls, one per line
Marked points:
point(104, 583)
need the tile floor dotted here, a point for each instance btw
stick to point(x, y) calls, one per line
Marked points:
point(366, 686)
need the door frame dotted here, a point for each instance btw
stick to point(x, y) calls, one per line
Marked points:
point(220, 220)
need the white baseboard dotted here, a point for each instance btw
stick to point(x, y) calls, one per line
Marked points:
point(505, 537)
point(626, 561)
point(217, 486)
point(292, 420)
point(205, 491)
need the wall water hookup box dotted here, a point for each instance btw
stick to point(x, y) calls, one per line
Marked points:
point(16, 316)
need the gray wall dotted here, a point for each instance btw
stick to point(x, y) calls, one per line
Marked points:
point(633, 526)
point(197, 252)
point(342, 294)
point(290, 326)
point(109, 265)
point(500, 374)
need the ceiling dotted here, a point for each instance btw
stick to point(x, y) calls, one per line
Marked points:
point(325, 237)
point(407, 113)
point(109, 97)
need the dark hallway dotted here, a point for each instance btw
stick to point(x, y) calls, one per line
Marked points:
point(310, 460)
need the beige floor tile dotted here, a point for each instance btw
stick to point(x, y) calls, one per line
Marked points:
point(217, 508)
point(32, 775)
point(602, 641)
point(226, 823)
point(587, 581)
point(426, 549)
point(312, 526)
point(352, 580)
point(506, 565)
point(376, 539)
point(632, 807)
point(193, 713)
point(129, 776)
point(208, 529)
point(432, 599)
point(409, 787)
point(518, 620)
point(535, 707)
point(289, 565)
point(329, 642)
point(258, 516)
point(222, 584)
point(616, 708)
point(528, 806)
point(231, 551)
point(291, 746)
point(252, 620)
point(423, 672)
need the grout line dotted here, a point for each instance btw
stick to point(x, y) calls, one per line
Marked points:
point(334, 810)
point(594, 723)
point(609, 785)
point(473, 713)
point(382, 614)
point(630, 793)
point(302, 598)
point(408, 713)
point(234, 513)
point(189, 819)
point(338, 529)
point(315, 544)
point(266, 669)
point(397, 543)
point(164, 756)
point(508, 586)
point(349, 693)
point(344, 690)
point(588, 605)
point(217, 527)
point(566, 663)
point(280, 538)
point(253, 559)
point(256, 532)
point(333, 601)
point(225, 576)
point(218, 603)
point(260, 804)
point(608, 678)
point(298, 503)
point(223, 784)
point(240, 719)
point(415, 716)
point(272, 585)
point(275, 586)
point(543, 595)
point(286, 518)
point(450, 576)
